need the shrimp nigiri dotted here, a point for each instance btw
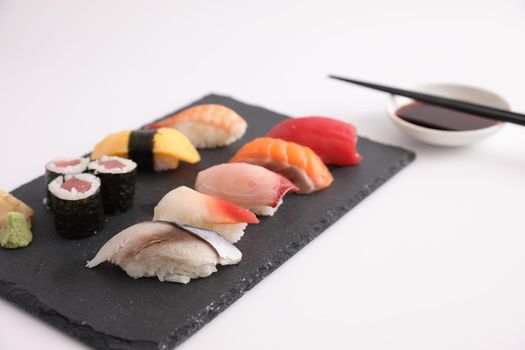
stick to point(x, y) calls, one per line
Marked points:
point(207, 126)
point(334, 141)
point(168, 251)
point(186, 206)
point(249, 186)
point(297, 163)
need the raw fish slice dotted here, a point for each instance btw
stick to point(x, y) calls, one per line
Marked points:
point(334, 141)
point(207, 126)
point(227, 252)
point(164, 250)
point(297, 163)
point(249, 186)
point(9, 203)
point(186, 206)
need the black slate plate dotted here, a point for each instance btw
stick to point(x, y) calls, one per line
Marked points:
point(106, 309)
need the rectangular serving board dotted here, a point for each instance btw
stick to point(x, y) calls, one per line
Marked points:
point(106, 309)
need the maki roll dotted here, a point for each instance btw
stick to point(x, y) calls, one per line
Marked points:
point(117, 176)
point(63, 166)
point(158, 150)
point(77, 205)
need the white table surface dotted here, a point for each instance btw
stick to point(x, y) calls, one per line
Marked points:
point(435, 259)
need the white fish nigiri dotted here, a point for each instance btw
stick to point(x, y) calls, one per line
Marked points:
point(164, 250)
point(186, 206)
point(247, 185)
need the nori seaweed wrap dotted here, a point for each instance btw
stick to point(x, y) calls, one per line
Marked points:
point(77, 205)
point(117, 176)
point(140, 148)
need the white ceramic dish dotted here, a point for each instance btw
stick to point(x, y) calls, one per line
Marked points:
point(443, 137)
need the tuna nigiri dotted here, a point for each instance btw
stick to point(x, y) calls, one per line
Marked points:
point(297, 163)
point(249, 186)
point(157, 150)
point(207, 126)
point(168, 251)
point(186, 206)
point(333, 140)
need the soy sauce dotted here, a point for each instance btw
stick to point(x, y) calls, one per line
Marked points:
point(441, 118)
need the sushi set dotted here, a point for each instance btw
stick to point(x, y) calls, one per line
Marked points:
point(143, 242)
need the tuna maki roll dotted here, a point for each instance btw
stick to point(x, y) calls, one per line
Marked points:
point(117, 176)
point(77, 205)
point(63, 166)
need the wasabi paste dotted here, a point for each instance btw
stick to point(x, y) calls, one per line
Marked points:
point(16, 233)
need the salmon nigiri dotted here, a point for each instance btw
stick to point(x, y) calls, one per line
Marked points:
point(333, 140)
point(247, 185)
point(207, 126)
point(186, 206)
point(297, 163)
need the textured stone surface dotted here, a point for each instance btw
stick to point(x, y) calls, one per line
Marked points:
point(106, 309)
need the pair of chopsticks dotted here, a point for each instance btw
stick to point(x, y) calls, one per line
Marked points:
point(457, 105)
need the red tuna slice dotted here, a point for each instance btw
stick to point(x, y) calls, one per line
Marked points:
point(334, 141)
point(79, 185)
point(112, 164)
point(66, 163)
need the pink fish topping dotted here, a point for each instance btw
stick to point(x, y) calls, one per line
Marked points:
point(66, 163)
point(246, 185)
point(112, 164)
point(77, 184)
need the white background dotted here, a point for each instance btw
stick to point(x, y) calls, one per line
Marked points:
point(435, 259)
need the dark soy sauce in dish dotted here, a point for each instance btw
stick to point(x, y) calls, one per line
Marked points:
point(441, 118)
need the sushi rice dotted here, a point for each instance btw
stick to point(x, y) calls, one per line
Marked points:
point(232, 232)
point(265, 210)
point(208, 136)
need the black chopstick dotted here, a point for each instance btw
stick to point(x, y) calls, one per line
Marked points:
point(457, 105)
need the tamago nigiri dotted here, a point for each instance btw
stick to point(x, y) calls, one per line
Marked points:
point(157, 150)
point(186, 206)
point(247, 185)
point(297, 163)
point(207, 126)
point(334, 141)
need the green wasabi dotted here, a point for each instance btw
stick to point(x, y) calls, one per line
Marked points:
point(16, 233)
